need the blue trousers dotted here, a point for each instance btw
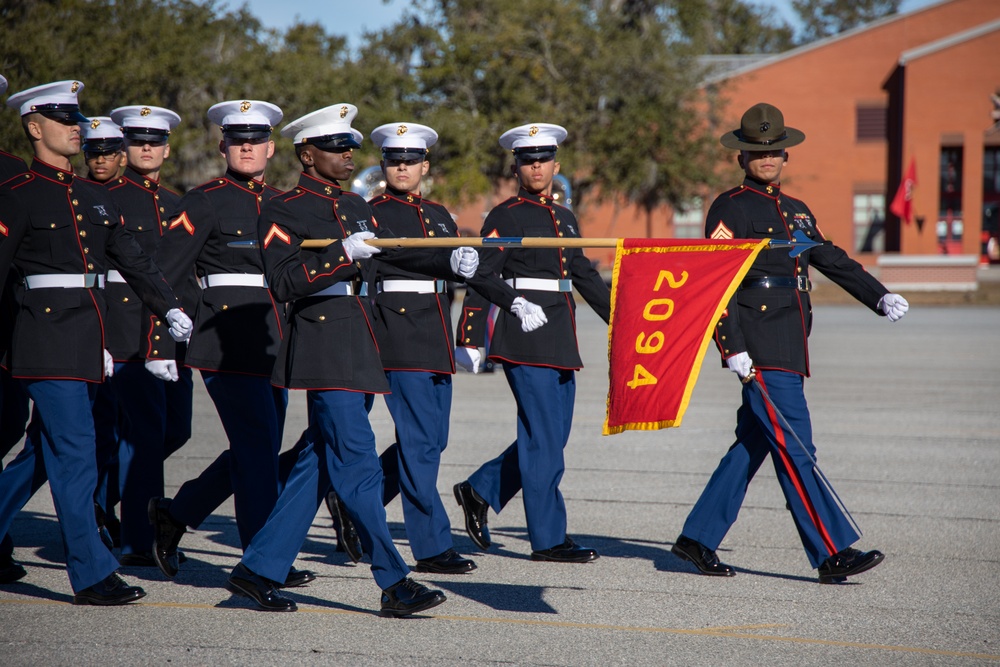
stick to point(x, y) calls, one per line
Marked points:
point(823, 527)
point(108, 419)
point(157, 422)
point(534, 462)
point(340, 439)
point(67, 442)
point(252, 414)
point(13, 420)
point(420, 405)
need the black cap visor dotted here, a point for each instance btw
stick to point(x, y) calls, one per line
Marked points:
point(246, 131)
point(534, 153)
point(64, 113)
point(343, 141)
point(146, 135)
point(103, 146)
point(404, 154)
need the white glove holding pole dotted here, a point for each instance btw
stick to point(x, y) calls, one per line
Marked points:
point(464, 261)
point(180, 325)
point(109, 364)
point(531, 314)
point(356, 248)
point(741, 364)
point(468, 358)
point(163, 369)
point(894, 306)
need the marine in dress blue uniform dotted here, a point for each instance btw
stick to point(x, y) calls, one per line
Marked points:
point(62, 234)
point(763, 334)
point(14, 404)
point(330, 351)
point(540, 366)
point(238, 329)
point(157, 414)
point(413, 328)
point(104, 155)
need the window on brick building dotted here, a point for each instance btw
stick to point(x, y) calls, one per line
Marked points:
point(689, 220)
point(950, 225)
point(870, 123)
point(869, 222)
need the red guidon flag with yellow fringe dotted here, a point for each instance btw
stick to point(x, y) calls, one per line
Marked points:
point(666, 297)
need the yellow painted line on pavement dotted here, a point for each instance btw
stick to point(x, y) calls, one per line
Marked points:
point(721, 631)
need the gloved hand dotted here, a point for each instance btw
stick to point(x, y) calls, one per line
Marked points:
point(109, 364)
point(464, 261)
point(741, 364)
point(180, 325)
point(356, 248)
point(894, 306)
point(531, 315)
point(468, 358)
point(164, 369)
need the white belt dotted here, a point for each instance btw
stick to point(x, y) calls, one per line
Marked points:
point(541, 284)
point(82, 280)
point(341, 289)
point(232, 280)
point(115, 276)
point(416, 286)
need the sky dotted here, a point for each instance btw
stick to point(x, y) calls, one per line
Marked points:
point(352, 17)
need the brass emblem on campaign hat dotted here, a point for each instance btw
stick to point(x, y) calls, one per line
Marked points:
point(533, 131)
point(762, 128)
point(401, 130)
point(75, 87)
point(343, 111)
point(145, 111)
point(94, 124)
point(244, 107)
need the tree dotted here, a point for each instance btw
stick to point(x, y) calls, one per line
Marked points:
point(724, 27)
point(823, 18)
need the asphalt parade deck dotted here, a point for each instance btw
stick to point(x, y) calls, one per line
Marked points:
point(905, 417)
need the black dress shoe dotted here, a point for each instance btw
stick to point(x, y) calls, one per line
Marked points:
point(847, 563)
point(262, 591)
point(703, 558)
point(167, 533)
point(449, 562)
point(567, 552)
point(409, 597)
point(475, 509)
point(10, 570)
point(347, 535)
point(112, 591)
point(137, 560)
point(297, 578)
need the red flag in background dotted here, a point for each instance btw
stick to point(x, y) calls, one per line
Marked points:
point(902, 203)
point(667, 296)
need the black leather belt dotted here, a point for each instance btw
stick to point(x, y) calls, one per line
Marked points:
point(800, 283)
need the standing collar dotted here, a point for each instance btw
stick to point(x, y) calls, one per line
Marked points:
point(319, 186)
point(767, 189)
point(140, 180)
point(544, 200)
point(405, 197)
point(46, 170)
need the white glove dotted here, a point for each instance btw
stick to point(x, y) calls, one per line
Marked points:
point(356, 248)
point(109, 364)
point(180, 325)
point(894, 306)
point(164, 369)
point(531, 314)
point(741, 364)
point(464, 261)
point(468, 358)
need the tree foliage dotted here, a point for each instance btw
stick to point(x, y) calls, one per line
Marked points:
point(618, 74)
point(824, 18)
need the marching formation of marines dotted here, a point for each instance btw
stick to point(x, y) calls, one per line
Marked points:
point(115, 289)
